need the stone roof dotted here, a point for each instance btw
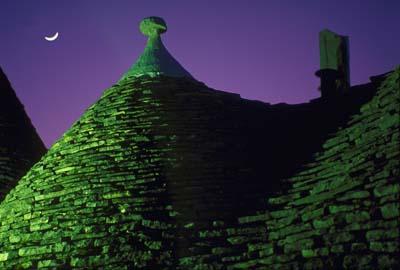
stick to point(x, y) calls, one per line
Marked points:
point(163, 172)
point(20, 146)
point(339, 211)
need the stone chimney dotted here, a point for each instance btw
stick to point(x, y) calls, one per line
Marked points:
point(334, 64)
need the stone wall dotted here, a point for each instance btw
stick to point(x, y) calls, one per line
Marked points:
point(20, 145)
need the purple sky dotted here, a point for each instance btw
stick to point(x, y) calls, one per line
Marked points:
point(266, 50)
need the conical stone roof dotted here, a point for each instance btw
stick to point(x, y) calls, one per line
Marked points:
point(341, 210)
point(20, 145)
point(142, 165)
point(154, 175)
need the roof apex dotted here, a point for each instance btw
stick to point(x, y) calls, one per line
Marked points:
point(155, 59)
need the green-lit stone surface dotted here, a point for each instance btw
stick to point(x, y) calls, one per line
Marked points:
point(334, 54)
point(159, 174)
point(341, 211)
point(156, 60)
point(163, 172)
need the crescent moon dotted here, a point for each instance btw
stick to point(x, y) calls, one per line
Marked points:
point(52, 38)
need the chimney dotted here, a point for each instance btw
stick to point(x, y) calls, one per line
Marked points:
point(334, 64)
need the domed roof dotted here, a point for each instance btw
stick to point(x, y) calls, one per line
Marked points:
point(20, 146)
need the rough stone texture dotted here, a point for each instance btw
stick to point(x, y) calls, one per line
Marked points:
point(166, 173)
point(341, 211)
point(155, 59)
point(20, 146)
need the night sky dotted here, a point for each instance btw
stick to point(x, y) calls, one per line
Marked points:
point(266, 50)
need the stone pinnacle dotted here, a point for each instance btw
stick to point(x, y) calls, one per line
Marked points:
point(153, 26)
point(155, 59)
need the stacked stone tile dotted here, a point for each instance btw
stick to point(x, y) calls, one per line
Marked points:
point(120, 188)
point(163, 172)
point(341, 211)
point(20, 146)
point(155, 175)
point(146, 161)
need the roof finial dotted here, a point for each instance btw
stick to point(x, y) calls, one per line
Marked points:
point(155, 60)
point(153, 26)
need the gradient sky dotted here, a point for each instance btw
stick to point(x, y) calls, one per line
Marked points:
point(266, 49)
